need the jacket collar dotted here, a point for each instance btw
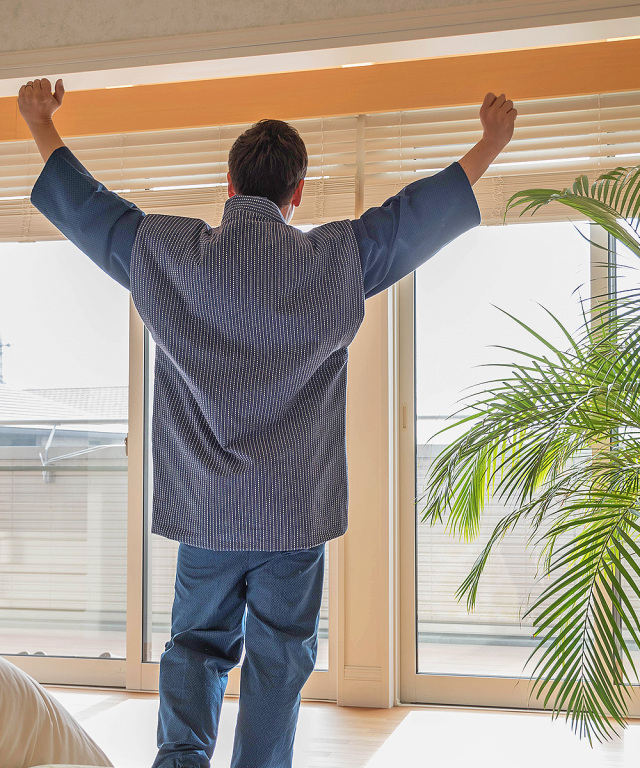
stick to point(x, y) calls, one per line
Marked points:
point(255, 206)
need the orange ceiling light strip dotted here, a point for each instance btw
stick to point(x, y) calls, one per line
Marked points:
point(566, 70)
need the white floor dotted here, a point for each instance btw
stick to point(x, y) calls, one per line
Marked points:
point(343, 737)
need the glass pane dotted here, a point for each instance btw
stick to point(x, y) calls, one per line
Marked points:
point(456, 327)
point(64, 327)
point(161, 554)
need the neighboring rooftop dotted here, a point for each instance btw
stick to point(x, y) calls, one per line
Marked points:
point(82, 403)
point(98, 402)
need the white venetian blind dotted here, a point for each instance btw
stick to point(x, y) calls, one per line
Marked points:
point(180, 172)
point(183, 172)
point(555, 140)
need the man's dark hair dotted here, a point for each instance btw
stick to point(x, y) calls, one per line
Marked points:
point(268, 160)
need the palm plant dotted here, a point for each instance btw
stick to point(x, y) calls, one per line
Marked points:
point(558, 440)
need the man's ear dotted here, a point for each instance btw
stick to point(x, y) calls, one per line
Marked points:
point(297, 195)
point(231, 190)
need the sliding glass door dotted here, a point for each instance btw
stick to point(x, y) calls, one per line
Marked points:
point(85, 589)
point(452, 333)
point(64, 370)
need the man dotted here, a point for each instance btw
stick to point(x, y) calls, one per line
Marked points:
point(252, 321)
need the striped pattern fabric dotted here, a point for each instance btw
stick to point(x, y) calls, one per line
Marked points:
point(252, 320)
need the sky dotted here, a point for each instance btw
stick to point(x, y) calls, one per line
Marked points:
point(458, 293)
point(67, 322)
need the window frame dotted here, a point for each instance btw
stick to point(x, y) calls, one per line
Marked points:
point(451, 689)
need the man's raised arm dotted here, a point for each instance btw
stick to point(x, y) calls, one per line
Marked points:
point(397, 237)
point(99, 222)
point(497, 117)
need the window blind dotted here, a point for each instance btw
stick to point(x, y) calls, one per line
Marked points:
point(179, 172)
point(355, 161)
point(554, 141)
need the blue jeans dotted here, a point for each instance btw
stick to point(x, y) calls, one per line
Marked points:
point(281, 592)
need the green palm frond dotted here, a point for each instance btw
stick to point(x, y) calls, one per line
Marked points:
point(612, 197)
point(583, 655)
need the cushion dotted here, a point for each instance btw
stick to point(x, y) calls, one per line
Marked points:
point(36, 729)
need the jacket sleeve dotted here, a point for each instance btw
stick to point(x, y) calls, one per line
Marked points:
point(410, 227)
point(99, 222)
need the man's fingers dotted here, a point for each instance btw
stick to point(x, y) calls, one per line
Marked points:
point(500, 100)
point(45, 84)
point(59, 92)
point(488, 100)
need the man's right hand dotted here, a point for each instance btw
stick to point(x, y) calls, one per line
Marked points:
point(497, 117)
point(37, 103)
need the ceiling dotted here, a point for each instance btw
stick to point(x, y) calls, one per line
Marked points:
point(344, 56)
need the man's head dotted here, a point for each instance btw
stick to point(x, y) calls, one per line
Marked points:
point(269, 160)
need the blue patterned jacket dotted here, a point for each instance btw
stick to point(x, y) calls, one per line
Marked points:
point(252, 321)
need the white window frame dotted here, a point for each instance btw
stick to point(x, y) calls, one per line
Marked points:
point(447, 689)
